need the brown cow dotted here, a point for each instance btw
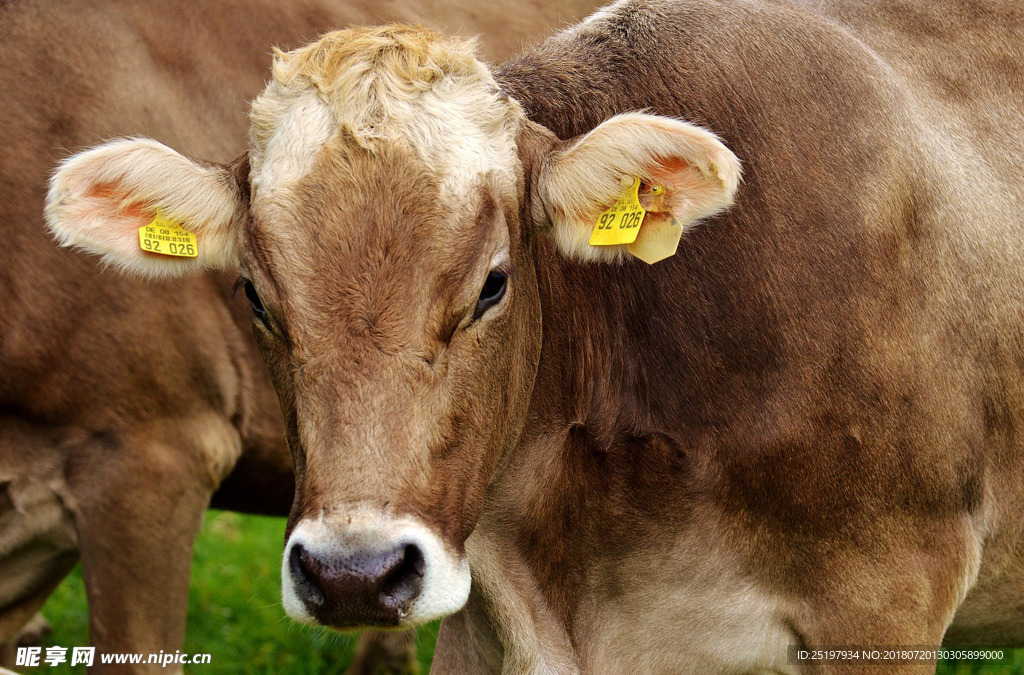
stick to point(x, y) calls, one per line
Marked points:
point(124, 405)
point(802, 429)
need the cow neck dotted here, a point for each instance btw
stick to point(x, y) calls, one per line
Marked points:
point(603, 352)
point(626, 387)
point(600, 423)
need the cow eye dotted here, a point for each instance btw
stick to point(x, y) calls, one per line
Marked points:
point(254, 301)
point(491, 294)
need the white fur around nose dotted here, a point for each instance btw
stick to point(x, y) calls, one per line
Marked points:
point(446, 577)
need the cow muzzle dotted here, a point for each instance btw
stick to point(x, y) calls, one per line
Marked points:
point(370, 571)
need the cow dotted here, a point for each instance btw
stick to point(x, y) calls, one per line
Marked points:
point(123, 405)
point(799, 428)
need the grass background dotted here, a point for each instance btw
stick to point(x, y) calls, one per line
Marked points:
point(235, 612)
point(234, 608)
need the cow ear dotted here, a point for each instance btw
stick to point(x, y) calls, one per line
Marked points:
point(99, 199)
point(581, 178)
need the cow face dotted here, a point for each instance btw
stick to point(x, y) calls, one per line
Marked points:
point(382, 225)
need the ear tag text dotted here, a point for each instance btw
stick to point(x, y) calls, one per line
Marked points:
point(621, 223)
point(166, 237)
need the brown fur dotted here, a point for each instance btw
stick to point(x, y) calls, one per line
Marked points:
point(124, 405)
point(824, 383)
point(390, 317)
point(813, 405)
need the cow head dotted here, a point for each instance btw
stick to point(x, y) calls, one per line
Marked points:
point(381, 223)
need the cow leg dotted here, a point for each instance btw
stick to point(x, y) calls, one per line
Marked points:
point(139, 504)
point(902, 589)
point(385, 652)
point(38, 546)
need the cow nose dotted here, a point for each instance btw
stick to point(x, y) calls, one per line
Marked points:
point(366, 588)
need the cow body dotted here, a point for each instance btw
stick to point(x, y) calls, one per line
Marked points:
point(124, 405)
point(799, 430)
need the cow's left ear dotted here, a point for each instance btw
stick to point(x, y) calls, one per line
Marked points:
point(581, 178)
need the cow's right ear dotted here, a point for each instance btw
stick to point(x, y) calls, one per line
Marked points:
point(100, 198)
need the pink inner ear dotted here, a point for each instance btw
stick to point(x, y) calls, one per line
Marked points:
point(106, 220)
point(684, 185)
point(107, 195)
point(671, 165)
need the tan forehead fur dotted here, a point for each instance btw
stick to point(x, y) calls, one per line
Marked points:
point(393, 83)
point(379, 62)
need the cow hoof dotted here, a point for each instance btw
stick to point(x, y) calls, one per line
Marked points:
point(385, 653)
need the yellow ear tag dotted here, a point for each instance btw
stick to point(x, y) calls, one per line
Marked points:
point(621, 223)
point(165, 236)
point(658, 238)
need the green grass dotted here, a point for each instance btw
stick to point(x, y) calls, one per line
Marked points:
point(235, 612)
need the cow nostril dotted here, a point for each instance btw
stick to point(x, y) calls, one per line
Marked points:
point(405, 581)
point(299, 567)
point(363, 588)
